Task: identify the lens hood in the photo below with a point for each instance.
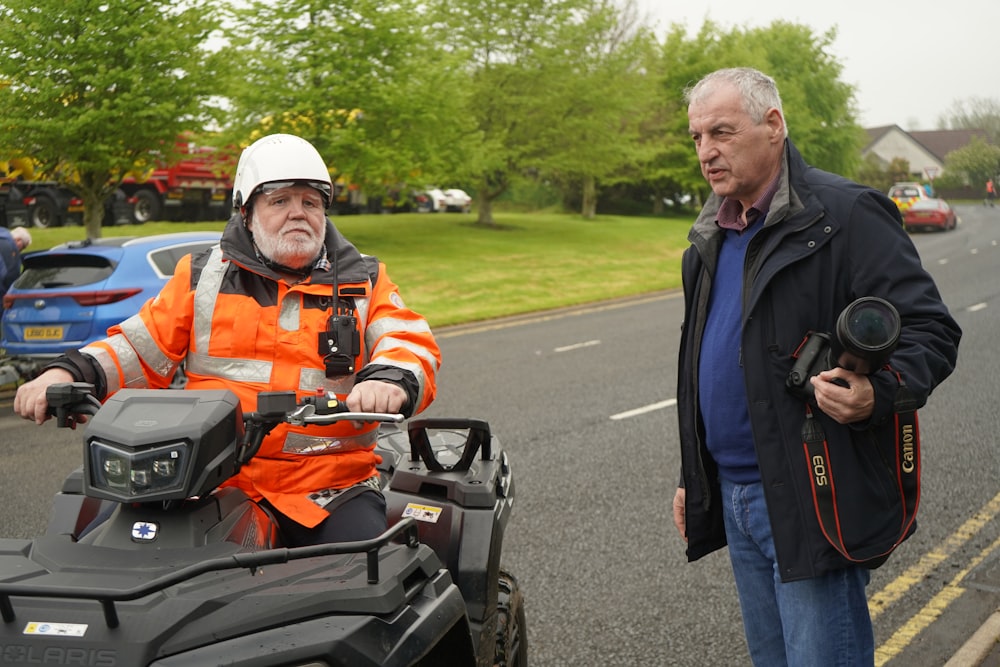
(868, 328)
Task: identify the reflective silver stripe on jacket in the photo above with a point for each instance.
(131, 347)
(389, 325)
(205, 296)
(311, 379)
(145, 347)
(311, 445)
(107, 364)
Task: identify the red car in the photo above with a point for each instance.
(929, 214)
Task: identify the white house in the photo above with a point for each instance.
(925, 151)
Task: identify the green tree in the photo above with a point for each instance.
(367, 81)
(876, 174)
(899, 170)
(97, 87)
(977, 161)
(975, 113)
(528, 62)
(598, 102)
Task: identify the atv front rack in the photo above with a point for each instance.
(251, 561)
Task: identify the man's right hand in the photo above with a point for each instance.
(30, 401)
(680, 519)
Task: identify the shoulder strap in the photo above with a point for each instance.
(906, 469)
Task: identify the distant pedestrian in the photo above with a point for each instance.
(12, 242)
(991, 194)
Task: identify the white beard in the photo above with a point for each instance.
(292, 250)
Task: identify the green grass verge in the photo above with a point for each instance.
(453, 271)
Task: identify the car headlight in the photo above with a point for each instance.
(137, 475)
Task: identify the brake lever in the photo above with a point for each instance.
(384, 417)
(301, 414)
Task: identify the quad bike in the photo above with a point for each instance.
(146, 562)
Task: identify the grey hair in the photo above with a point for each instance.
(21, 234)
(757, 90)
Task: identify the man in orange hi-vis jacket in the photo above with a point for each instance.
(248, 316)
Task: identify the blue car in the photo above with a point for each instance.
(70, 295)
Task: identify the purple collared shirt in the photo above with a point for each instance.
(729, 211)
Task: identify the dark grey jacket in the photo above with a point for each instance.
(826, 241)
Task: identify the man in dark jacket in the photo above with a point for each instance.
(12, 243)
(779, 250)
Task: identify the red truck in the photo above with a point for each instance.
(196, 187)
(199, 186)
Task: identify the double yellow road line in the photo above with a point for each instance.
(919, 571)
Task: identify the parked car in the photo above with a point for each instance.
(457, 201)
(431, 200)
(905, 194)
(929, 214)
(68, 296)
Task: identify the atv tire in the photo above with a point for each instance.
(512, 637)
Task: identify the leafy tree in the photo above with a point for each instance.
(598, 101)
(976, 113)
(98, 86)
(899, 170)
(977, 161)
(367, 81)
(876, 174)
(529, 65)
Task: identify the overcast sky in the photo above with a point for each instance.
(909, 61)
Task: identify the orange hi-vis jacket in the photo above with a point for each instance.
(237, 325)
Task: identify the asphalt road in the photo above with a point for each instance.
(582, 401)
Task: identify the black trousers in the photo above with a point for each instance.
(359, 518)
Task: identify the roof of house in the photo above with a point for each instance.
(936, 142)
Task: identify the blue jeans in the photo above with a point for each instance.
(818, 622)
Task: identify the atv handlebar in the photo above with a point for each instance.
(276, 407)
(273, 408)
(306, 414)
(71, 398)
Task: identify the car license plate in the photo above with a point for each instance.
(43, 333)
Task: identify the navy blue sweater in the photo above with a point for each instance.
(722, 390)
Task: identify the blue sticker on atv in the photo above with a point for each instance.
(143, 531)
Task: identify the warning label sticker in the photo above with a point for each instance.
(422, 512)
(56, 629)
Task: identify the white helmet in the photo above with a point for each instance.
(279, 158)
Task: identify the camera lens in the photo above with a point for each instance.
(869, 329)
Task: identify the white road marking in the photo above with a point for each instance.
(577, 346)
(643, 410)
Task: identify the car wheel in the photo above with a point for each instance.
(512, 637)
(147, 206)
(43, 213)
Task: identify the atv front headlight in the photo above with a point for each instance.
(157, 445)
(132, 476)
